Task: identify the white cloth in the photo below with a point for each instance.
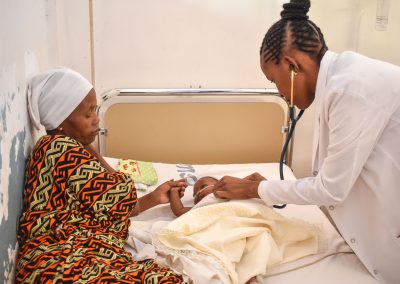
(356, 159)
(245, 237)
(53, 96)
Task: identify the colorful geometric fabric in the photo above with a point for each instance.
(75, 220)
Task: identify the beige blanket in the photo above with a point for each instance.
(243, 237)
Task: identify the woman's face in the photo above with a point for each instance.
(203, 187)
(304, 81)
(83, 124)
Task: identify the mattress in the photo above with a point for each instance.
(336, 264)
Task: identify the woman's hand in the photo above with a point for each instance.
(162, 192)
(236, 188)
(160, 195)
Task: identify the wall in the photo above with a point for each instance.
(24, 34)
(213, 44)
(383, 45)
(73, 35)
(180, 43)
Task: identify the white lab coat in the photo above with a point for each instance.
(356, 159)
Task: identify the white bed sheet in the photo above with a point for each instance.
(336, 265)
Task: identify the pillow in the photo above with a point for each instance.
(141, 172)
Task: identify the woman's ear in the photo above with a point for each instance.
(291, 63)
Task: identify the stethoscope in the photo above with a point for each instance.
(291, 127)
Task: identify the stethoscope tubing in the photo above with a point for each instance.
(292, 126)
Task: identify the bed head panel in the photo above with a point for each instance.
(193, 126)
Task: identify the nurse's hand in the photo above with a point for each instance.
(255, 177)
(236, 188)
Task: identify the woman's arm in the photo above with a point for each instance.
(175, 202)
(143, 203)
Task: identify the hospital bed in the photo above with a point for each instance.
(194, 133)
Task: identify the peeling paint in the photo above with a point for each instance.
(14, 145)
(9, 271)
(8, 87)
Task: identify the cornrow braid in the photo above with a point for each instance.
(304, 34)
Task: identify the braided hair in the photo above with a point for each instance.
(294, 26)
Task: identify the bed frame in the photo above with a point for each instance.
(197, 126)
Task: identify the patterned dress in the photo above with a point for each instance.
(75, 220)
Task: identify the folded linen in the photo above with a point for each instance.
(141, 172)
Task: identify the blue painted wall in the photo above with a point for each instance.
(14, 145)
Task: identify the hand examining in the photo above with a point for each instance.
(255, 177)
(236, 188)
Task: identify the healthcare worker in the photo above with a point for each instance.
(356, 147)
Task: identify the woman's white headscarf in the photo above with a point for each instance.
(53, 96)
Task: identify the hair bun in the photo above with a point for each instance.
(296, 10)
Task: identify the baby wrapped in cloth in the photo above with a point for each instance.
(227, 242)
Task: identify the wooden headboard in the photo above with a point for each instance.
(198, 126)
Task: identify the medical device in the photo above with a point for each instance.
(291, 127)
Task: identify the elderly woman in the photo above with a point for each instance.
(76, 208)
